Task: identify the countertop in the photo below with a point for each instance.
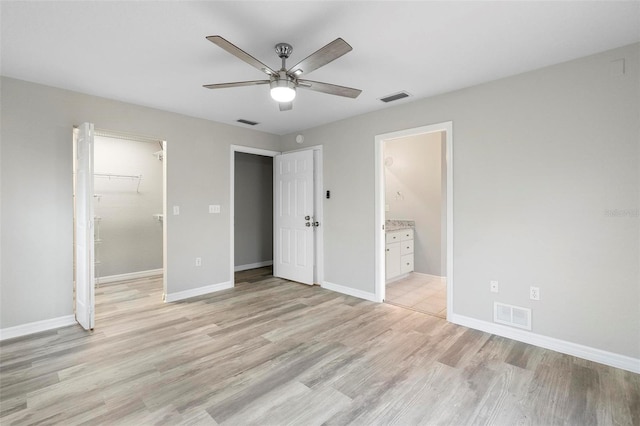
(398, 225)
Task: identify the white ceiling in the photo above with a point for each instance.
(154, 53)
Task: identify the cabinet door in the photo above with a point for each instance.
(393, 260)
(406, 264)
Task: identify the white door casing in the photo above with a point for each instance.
(84, 240)
(294, 222)
(447, 128)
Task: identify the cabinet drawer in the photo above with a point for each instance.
(406, 263)
(393, 237)
(407, 234)
(406, 247)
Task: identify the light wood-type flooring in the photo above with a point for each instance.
(273, 352)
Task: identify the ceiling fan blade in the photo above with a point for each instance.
(323, 56)
(241, 54)
(235, 84)
(285, 106)
(331, 89)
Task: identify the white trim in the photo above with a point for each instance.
(585, 352)
(232, 203)
(252, 265)
(129, 276)
(181, 295)
(349, 291)
(397, 278)
(429, 276)
(380, 278)
(165, 220)
(36, 327)
(255, 151)
(314, 147)
(318, 181)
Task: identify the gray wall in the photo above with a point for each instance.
(416, 173)
(545, 177)
(131, 236)
(253, 241)
(36, 179)
(539, 160)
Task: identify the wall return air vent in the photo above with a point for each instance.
(395, 97)
(514, 316)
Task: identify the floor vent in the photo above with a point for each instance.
(250, 123)
(514, 316)
(395, 97)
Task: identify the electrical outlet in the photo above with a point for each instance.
(493, 285)
(534, 293)
(176, 210)
(198, 261)
(214, 208)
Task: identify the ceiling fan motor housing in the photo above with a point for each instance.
(283, 50)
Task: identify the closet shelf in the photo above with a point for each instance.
(116, 176)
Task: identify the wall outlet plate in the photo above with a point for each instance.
(493, 286)
(534, 293)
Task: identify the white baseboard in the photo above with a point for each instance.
(586, 352)
(36, 327)
(252, 265)
(397, 278)
(129, 276)
(349, 291)
(433, 277)
(181, 295)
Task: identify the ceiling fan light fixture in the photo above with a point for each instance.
(283, 90)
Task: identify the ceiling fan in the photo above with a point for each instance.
(285, 82)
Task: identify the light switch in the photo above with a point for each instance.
(176, 210)
(214, 208)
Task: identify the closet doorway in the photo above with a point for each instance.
(121, 200)
(252, 213)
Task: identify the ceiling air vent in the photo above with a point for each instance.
(250, 123)
(395, 97)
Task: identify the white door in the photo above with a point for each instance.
(294, 222)
(85, 273)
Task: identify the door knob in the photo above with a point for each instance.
(307, 224)
(307, 218)
(315, 224)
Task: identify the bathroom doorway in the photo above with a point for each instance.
(413, 188)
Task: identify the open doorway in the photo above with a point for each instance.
(414, 225)
(124, 202)
(253, 217)
(297, 217)
(251, 213)
(415, 219)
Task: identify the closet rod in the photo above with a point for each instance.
(109, 175)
